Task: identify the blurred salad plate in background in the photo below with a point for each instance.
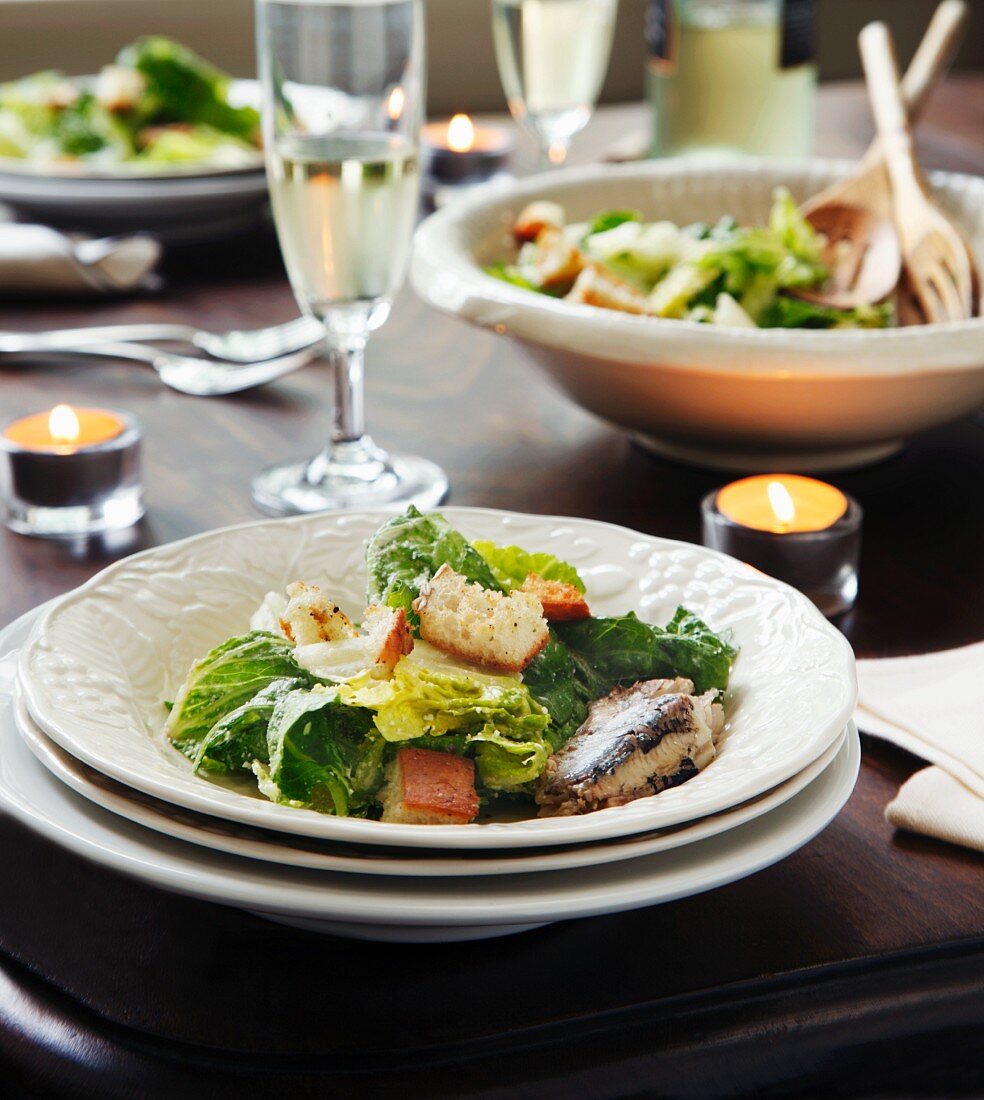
(157, 109)
(159, 141)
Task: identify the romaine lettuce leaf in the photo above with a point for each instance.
(223, 680)
(313, 742)
(183, 144)
(793, 230)
(505, 764)
(85, 128)
(183, 87)
(786, 312)
(511, 565)
(609, 219)
(553, 681)
(679, 287)
(240, 737)
(509, 274)
(409, 549)
(585, 660)
(609, 652)
(434, 704)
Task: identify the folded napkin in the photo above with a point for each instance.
(35, 259)
(933, 706)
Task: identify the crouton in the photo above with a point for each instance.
(474, 624)
(536, 217)
(561, 602)
(311, 616)
(597, 287)
(119, 88)
(387, 633)
(59, 95)
(557, 261)
(424, 787)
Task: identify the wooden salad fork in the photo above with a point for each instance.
(855, 214)
(937, 263)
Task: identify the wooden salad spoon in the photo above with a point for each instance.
(855, 215)
(939, 268)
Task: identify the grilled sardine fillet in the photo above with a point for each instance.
(635, 742)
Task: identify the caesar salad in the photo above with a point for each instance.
(477, 677)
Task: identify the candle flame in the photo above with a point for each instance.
(461, 134)
(781, 502)
(396, 102)
(63, 424)
(557, 153)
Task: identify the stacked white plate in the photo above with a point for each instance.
(83, 759)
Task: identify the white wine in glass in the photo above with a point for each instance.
(345, 209)
(342, 85)
(552, 57)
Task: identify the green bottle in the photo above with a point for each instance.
(731, 77)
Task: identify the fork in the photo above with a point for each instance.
(940, 271)
(236, 346)
(191, 374)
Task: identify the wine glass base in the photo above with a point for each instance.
(322, 486)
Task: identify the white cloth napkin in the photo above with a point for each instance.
(933, 706)
(35, 259)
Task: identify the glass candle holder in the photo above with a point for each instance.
(798, 530)
(70, 472)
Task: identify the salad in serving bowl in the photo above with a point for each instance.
(477, 676)
(720, 274)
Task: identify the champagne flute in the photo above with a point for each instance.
(552, 57)
(342, 88)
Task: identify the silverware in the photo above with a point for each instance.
(193, 375)
(855, 214)
(941, 273)
(237, 346)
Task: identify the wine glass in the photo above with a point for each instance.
(552, 57)
(342, 88)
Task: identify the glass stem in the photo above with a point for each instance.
(348, 369)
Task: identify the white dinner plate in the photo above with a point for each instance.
(413, 910)
(100, 663)
(243, 840)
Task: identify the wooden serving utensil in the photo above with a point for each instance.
(855, 214)
(938, 266)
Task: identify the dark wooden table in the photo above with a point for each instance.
(853, 968)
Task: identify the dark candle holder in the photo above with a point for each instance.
(72, 491)
(823, 565)
(486, 157)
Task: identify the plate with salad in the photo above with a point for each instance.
(157, 109)
(461, 679)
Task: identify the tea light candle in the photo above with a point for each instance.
(796, 529)
(459, 152)
(70, 472)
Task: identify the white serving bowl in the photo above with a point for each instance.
(732, 398)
